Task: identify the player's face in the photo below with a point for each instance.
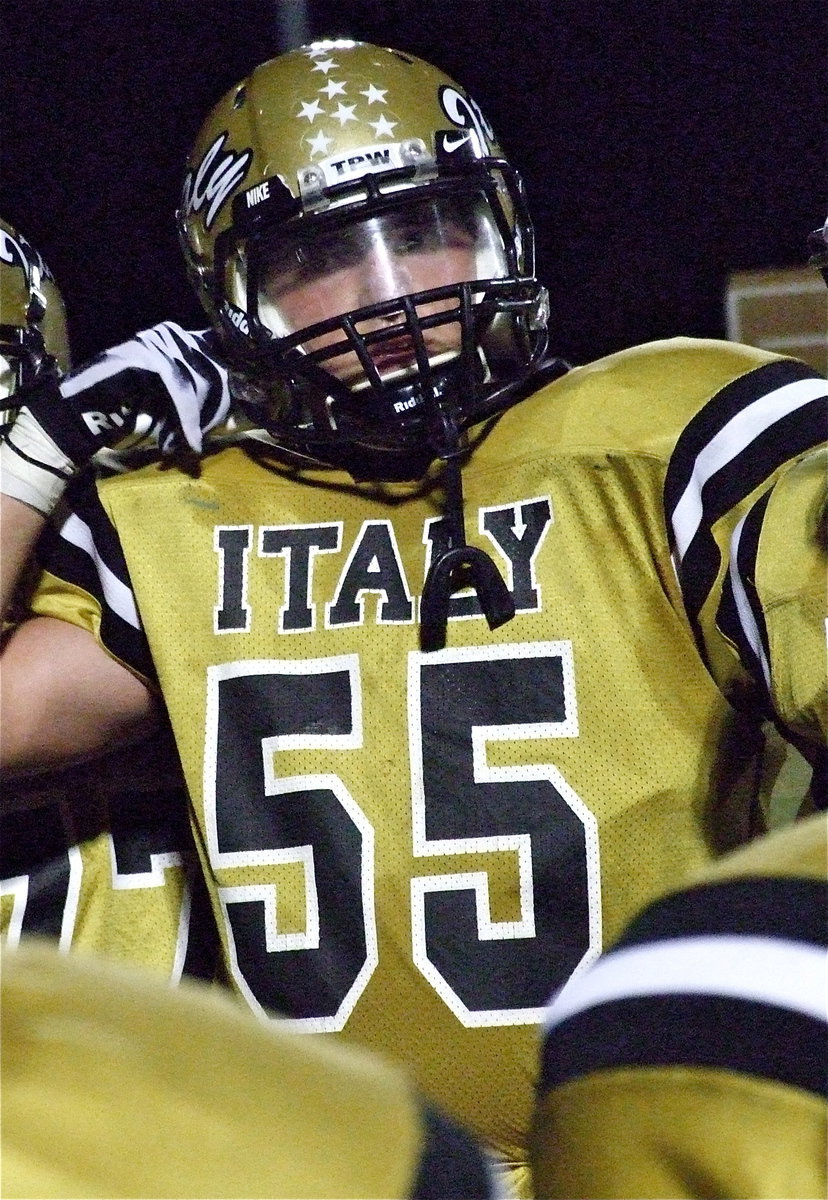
(364, 262)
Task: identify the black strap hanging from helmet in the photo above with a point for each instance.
(460, 565)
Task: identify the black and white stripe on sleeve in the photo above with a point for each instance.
(730, 976)
(742, 436)
(81, 548)
(740, 614)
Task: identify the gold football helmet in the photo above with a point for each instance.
(363, 247)
(33, 338)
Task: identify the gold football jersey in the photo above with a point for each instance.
(101, 859)
(412, 849)
(691, 1060)
(114, 1085)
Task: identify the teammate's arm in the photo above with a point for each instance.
(64, 699)
(745, 501)
(708, 1015)
(20, 527)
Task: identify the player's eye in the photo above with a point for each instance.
(294, 263)
(335, 254)
(413, 240)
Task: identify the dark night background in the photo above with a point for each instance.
(663, 144)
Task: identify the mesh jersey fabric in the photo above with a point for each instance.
(101, 858)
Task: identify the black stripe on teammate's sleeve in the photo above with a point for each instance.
(452, 1166)
(787, 437)
(67, 561)
(728, 403)
(718, 1032)
(728, 487)
(728, 617)
(706, 1030)
(793, 909)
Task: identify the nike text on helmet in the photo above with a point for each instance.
(33, 338)
(358, 239)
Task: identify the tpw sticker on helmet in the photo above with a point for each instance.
(338, 168)
(217, 176)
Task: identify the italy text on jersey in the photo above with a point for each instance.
(372, 564)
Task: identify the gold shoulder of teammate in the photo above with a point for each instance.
(113, 1085)
(799, 502)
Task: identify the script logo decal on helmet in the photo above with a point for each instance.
(465, 112)
(216, 178)
(33, 340)
(15, 250)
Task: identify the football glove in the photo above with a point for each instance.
(165, 383)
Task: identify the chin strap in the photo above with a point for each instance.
(460, 564)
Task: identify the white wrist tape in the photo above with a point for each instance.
(33, 468)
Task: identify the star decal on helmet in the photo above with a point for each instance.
(320, 144)
(344, 113)
(383, 127)
(323, 58)
(311, 109)
(334, 87)
(375, 95)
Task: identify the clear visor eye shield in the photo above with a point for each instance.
(372, 293)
